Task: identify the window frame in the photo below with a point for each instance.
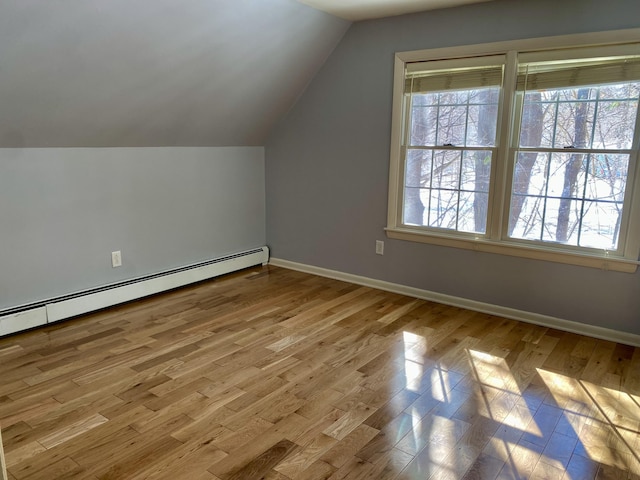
(495, 240)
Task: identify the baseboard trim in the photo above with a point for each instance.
(114, 295)
(512, 313)
(22, 321)
(24, 317)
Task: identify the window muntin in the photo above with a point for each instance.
(573, 153)
(608, 113)
(447, 188)
(570, 198)
(602, 211)
(452, 124)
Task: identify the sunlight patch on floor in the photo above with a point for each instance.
(605, 420)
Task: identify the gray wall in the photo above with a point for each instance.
(327, 168)
(63, 211)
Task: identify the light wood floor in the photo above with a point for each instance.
(269, 373)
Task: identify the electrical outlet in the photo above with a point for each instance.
(116, 259)
(379, 247)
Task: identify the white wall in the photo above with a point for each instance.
(64, 210)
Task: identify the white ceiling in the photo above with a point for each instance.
(155, 72)
(356, 10)
(165, 73)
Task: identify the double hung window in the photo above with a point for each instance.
(524, 152)
(452, 116)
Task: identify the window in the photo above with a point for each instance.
(452, 143)
(519, 150)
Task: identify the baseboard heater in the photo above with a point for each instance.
(66, 306)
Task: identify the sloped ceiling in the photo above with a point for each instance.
(155, 72)
(356, 10)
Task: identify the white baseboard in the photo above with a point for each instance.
(512, 313)
(60, 308)
(23, 320)
(121, 294)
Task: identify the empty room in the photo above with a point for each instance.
(319, 239)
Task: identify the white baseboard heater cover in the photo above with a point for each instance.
(23, 320)
(72, 305)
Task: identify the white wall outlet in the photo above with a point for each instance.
(379, 247)
(116, 259)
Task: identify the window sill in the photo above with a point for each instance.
(515, 250)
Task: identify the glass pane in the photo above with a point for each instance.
(418, 168)
(607, 177)
(433, 183)
(600, 225)
(547, 201)
(452, 120)
(446, 169)
(424, 121)
(424, 99)
(527, 223)
(561, 221)
(589, 117)
(414, 206)
(530, 173)
(621, 91)
(538, 120)
(443, 209)
(472, 215)
(483, 117)
(476, 171)
(574, 123)
(484, 96)
(567, 172)
(454, 97)
(615, 123)
(457, 118)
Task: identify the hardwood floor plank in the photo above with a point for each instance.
(243, 454)
(275, 374)
(340, 453)
(349, 421)
(71, 431)
(296, 464)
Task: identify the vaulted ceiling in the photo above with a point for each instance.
(367, 9)
(155, 72)
(164, 72)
